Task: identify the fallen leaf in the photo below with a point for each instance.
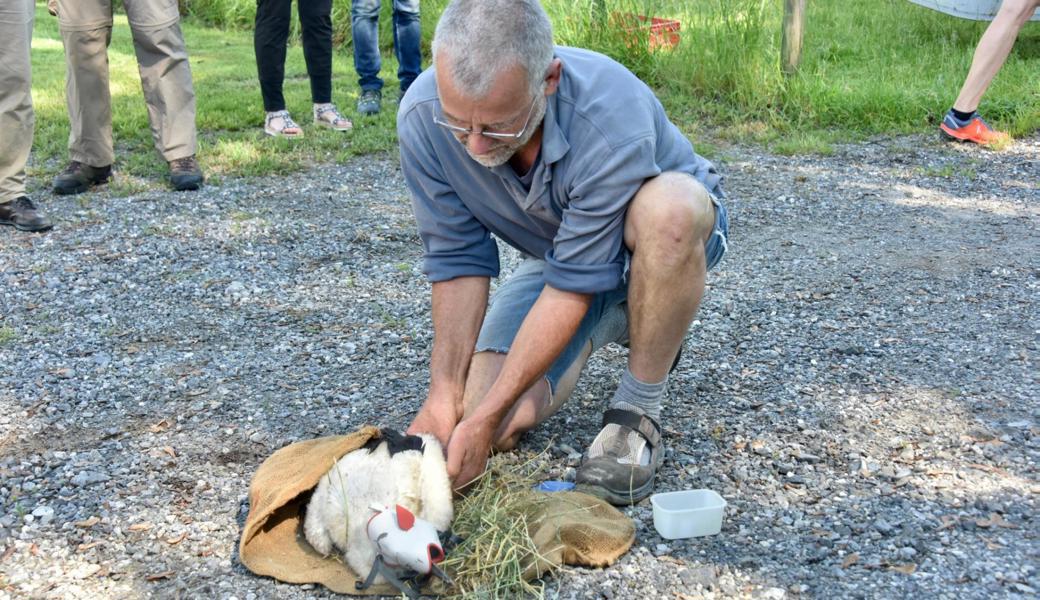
(169, 450)
(949, 521)
(8, 551)
(85, 547)
(92, 521)
(159, 427)
(994, 520)
(145, 526)
(906, 569)
(158, 576)
(34, 549)
(990, 544)
(205, 553)
(177, 540)
(850, 560)
(740, 445)
(989, 469)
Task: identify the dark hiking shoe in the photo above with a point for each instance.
(185, 174)
(623, 459)
(79, 177)
(22, 214)
(371, 102)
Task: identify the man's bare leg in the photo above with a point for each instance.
(668, 224)
(536, 404)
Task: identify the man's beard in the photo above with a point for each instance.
(500, 155)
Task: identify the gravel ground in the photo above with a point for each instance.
(861, 384)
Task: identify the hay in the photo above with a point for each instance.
(497, 553)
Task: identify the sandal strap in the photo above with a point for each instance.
(642, 424)
(319, 113)
(286, 119)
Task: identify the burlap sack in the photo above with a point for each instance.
(568, 527)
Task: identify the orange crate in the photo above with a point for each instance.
(664, 33)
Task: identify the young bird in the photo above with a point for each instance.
(390, 470)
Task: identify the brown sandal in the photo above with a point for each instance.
(617, 474)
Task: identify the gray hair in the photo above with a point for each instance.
(482, 38)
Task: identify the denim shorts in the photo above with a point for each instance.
(514, 299)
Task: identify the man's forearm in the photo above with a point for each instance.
(458, 311)
(548, 327)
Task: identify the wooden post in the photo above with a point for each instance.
(794, 25)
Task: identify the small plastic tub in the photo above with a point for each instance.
(687, 514)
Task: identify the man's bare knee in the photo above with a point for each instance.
(671, 211)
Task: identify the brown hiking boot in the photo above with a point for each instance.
(79, 177)
(185, 174)
(22, 214)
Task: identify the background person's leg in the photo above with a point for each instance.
(316, 30)
(993, 50)
(16, 111)
(407, 40)
(162, 61)
(270, 34)
(86, 30)
(364, 23)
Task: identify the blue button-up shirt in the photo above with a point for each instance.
(604, 134)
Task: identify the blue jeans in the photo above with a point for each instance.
(407, 36)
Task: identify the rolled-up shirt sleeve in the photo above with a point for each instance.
(588, 253)
(455, 244)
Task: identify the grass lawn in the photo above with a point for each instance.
(877, 67)
(230, 110)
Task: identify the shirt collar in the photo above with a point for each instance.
(554, 145)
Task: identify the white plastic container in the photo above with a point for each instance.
(687, 514)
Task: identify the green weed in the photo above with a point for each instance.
(882, 67)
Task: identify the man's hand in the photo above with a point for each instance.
(468, 451)
(436, 418)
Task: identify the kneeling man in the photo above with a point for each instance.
(565, 155)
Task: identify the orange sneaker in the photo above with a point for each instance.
(976, 131)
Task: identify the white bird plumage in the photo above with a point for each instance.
(341, 505)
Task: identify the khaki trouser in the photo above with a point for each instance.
(16, 111)
(86, 30)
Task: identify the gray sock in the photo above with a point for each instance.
(646, 397)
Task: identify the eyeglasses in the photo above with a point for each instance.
(455, 129)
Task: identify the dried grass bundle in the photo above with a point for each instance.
(497, 551)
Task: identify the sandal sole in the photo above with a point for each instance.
(618, 498)
(283, 134)
(328, 125)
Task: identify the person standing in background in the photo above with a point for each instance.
(269, 40)
(86, 31)
(16, 116)
(407, 37)
(962, 122)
